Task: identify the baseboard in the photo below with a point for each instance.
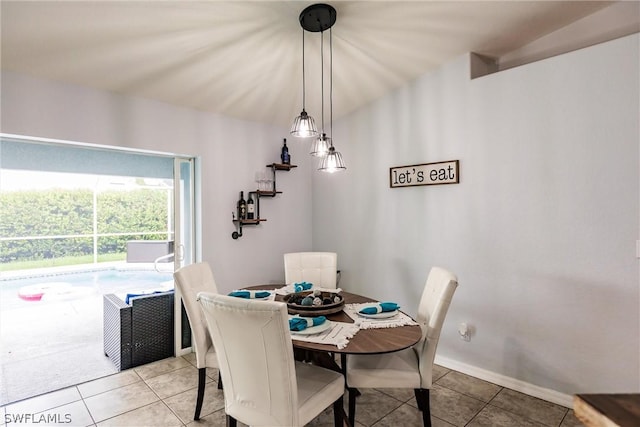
(183, 351)
(549, 395)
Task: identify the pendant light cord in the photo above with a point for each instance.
(331, 82)
(322, 76)
(304, 85)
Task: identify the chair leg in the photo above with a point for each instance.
(202, 377)
(338, 412)
(422, 399)
(353, 392)
(231, 422)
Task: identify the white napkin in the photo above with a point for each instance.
(399, 319)
(339, 335)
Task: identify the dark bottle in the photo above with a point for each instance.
(284, 154)
(242, 207)
(251, 208)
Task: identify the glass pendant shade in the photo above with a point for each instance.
(304, 126)
(332, 162)
(320, 147)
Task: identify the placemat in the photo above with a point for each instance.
(399, 319)
(339, 335)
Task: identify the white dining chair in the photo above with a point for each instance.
(190, 280)
(319, 268)
(263, 384)
(412, 367)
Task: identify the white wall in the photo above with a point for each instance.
(541, 230)
(231, 151)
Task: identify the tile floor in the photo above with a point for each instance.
(163, 394)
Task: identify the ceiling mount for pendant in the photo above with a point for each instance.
(318, 17)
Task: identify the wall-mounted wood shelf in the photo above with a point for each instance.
(259, 194)
(251, 221)
(281, 167)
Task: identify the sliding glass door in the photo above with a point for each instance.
(96, 207)
(185, 242)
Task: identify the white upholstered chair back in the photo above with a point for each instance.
(255, 354)
(190, 280)
(319, 268)
(434, 304)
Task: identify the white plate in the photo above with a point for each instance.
(384, 315)
(314, 329)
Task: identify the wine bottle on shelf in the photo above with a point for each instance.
(242, 207)
(284, 154)
(251, 209)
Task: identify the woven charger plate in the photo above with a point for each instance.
(313, 310)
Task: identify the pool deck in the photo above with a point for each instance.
(51, 346)
(46, 346)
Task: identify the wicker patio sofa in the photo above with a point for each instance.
(139, 332)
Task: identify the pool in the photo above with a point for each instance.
(38, 289)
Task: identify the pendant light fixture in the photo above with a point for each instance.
(318, 18)
(303, 126)
(333, 161)
(320, 146)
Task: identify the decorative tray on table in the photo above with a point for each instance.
(314, 303)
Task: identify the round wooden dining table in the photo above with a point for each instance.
(366, 341)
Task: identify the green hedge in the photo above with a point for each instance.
(69, 212)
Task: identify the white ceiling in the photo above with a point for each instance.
(243, 59)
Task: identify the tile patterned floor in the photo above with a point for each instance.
(164, 393)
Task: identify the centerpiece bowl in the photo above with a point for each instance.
(325, 303)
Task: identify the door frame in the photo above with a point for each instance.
(195, 212)
(187, 241)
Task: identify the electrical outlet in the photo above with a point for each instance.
(464, 332)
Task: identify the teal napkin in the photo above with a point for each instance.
(381, 307)
(302, 286)
(250, 294)
(302, 323)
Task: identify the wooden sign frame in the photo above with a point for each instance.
(447, 172)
